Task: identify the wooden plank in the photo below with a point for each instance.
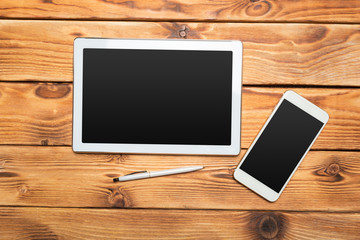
(55, 223)
(57, 177)
(342, 105)
(294, 54)
(38, 114)
(41, 114)
(202, 10)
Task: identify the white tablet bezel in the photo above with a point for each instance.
(234, 46)
(254, 184)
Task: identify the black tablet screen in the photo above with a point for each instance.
(157, 96)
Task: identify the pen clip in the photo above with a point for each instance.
(136, 173)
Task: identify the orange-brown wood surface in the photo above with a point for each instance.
(41, 113)
(55, 223)
(201, 10)
(291, 54)
(49, 192)
(57, 177)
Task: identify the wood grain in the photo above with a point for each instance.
(38, 114)
(332, 11)
(294, 54)
(41, 114)
(342, 105)
(55, 223)
(57, 177)
(49, 192)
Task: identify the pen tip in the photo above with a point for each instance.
(116, 179)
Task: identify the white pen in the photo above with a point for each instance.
(146, 174)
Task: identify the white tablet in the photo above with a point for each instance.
(281, 145)
(157, 96)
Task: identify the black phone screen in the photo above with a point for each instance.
(281, 145)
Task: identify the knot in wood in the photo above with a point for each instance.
(183, 31)
(333, 169)
(268, 227)
(45, 142)
(118, 198)
(117, 159)
(53, 90)
(258, 8)
(22, 189)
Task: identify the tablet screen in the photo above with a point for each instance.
(157, 96)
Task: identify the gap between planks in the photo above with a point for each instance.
(296, 86)
(173, 20)
(242, 149)
(180, 209)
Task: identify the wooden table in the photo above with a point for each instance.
(49, 192)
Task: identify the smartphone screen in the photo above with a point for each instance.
(281, 145)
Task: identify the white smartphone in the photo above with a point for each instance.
(281, 145)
